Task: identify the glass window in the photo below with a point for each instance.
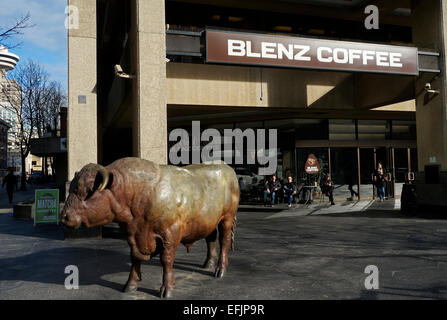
(404, 130)
(301, 157)
(342, 130)
(311, 129)
(373, 129)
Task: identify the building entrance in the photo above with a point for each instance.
(352, 168)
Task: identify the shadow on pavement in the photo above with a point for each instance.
(48, 266)
(11, 226)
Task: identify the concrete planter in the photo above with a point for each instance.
(23, 211)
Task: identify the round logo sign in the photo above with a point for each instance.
(312, 165)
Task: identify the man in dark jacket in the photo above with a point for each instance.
(271, 188)
(11, 183)
(289, 190)
(327, 187)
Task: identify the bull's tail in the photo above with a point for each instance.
(233, 231)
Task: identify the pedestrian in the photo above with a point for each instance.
(380, 180)
(271, 188)
(11, 183)
(290, 190)
(327, 187)
(349, 176)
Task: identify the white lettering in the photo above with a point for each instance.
(320, 57)
(395, 60)
(368, 55)
(382, 59)
(287, 52)
(354, 54)
(345, 55)
(267, 49)
(280, 51)
(250, 53)
(303, 50)
(236, 48)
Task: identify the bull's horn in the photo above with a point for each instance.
(105, 178)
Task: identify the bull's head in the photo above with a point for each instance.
(89, 199)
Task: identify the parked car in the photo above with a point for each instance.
(35, 177)
(249, 178)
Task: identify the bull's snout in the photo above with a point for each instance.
(70, 220)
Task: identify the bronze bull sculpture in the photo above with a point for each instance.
(160, 206)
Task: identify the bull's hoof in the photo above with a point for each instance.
(165, 292)
(209, 264)
(220, 272)
(130, 288)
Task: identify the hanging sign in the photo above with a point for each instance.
(311, 53)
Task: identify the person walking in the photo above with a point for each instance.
(11, 183)
(380, 181)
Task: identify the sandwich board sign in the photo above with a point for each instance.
(46, 206)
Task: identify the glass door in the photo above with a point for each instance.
(367, 167)
(401, 169)
(384, 156)
(344, 172)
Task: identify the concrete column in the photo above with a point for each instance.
(429, 34)
(150, 119)
(82, 106)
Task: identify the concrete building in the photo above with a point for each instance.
(4, 127)
(310, 69)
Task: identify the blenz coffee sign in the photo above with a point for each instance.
(293, 52)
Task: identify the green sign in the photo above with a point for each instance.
(46, 206)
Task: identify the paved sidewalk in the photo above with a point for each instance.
(19, 196)
(319, 252)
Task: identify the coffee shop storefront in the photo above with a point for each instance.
(350, 98)
(348, 141)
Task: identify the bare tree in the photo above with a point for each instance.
(9, 32)
(55, 100)
(28, 95)
(48, 116)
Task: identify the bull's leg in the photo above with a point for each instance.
(134, 275)
(225, 243)
(211, 256)
(167, 261)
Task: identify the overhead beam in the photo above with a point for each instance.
(310, 10)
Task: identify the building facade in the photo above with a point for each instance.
(312, 70)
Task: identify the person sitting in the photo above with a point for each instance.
(271, 188)
(327, 187)
(290, 190)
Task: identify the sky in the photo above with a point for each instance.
(46, 42)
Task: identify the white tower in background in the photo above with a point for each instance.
(8, 61)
